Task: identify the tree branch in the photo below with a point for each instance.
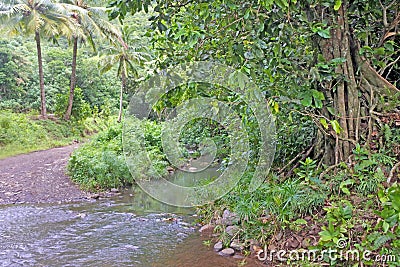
(388, 28)
(305, 155)
(390, 64)
(391, 174)
(373, 77)
(321, 176)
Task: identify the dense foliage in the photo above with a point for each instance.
(328, 70)
(19, 87)
(101, 163)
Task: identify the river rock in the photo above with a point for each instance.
(81, 215)
(232, 230)
(229, 218)
(184, 224)
(218, 246)
(95, 196)
(238, 257)
(114, 190)
(181, 235)
(226, 252)
(131, 247)
(206, 228)
(237, 245)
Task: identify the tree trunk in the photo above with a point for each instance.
(123, 84)
(68, 112)
(343, 92)
(351, 94)
(43, 111)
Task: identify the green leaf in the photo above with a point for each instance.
(345, 190)
(318, 95)
(300, 221)
(276, 107)
(336, 126)
(241, 80)
(282, 3)
(325, 235)
(339, 60)
(389, 46)
(380, 51)
(324, 33)
(307, 100)
(382, 196)
(318, 103)
(324, 123)
(394, 195)
(331, 110)
(247, 14)
(338, 4)
(347, 212)
(385, 227)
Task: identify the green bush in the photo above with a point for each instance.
(100, 163)
(80, 108)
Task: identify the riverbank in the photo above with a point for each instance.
(38, 177)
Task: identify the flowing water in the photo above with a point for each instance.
(129, 230)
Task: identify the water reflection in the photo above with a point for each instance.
(130, 230)
(125, 231)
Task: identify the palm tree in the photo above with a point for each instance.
(128, 60)
(37, 17)
(93, 22)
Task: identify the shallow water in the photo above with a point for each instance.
(129, 230)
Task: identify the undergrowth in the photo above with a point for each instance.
(22, 133)
(100, 164)
(316, 209)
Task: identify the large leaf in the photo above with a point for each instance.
(338, 4)
(336, 126)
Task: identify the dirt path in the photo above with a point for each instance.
(38, 177)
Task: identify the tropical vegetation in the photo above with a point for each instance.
(327, 70)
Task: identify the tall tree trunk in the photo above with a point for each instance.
(68, 112)
(343, 92)
(352, 94)
(123, 84)
(43, 110)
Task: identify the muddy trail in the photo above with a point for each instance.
(38, 177)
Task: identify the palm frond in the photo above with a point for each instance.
(28, 17)
(92, 21)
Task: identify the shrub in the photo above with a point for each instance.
(100, 163)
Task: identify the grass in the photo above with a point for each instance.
(23, 133)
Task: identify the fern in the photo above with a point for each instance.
(381, 240)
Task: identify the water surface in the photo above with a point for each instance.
(130, 230)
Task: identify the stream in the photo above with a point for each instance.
(131, 229)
